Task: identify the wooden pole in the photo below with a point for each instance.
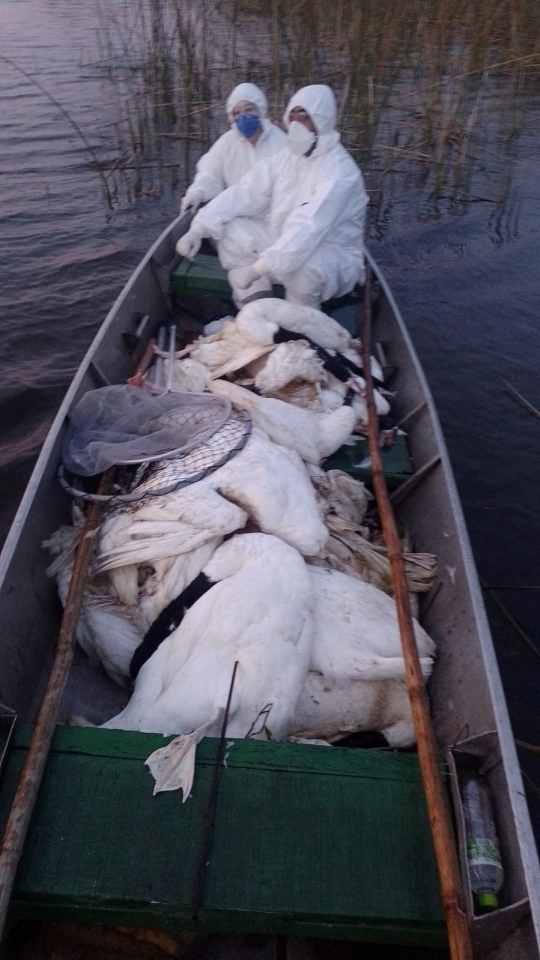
(31, 776)
(137, 379)
(27, 790)
(439, 817)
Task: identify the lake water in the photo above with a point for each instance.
(468, 286)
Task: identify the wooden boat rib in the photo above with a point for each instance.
(468, 710)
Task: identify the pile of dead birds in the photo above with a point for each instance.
(266, 561)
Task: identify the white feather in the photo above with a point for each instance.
(250, 616)
(313, 436)
(188, 376)
(170, 578)
(114, 637)
(167, 526)
(376, 369)
(259, 320)
(228, 350)
(294, 360)
(339, 494)
(356, 631)
(107, 632)
(356, 679)
(330, 711)
(272, 484)
(333, 394)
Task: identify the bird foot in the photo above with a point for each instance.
(76, 721)
(173, 766)
(355, 386)
(309, 741)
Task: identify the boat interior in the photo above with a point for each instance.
(307, 842)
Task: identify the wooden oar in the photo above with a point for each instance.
(439, 817)
(31, 776)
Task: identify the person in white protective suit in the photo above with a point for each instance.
(297, 218)
(252, 137)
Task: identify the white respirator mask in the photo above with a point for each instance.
(299, 138)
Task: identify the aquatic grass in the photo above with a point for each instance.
(520, 399)
(528, 643)
(423, 90)
(533, 787)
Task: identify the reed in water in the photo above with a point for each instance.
(427, 93)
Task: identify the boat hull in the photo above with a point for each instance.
(465, 691)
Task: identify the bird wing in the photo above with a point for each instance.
(272, 484)
(356, 630)
(268, 312)
(194, 516)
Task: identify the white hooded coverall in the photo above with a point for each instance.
(233, 155)
(304, 215)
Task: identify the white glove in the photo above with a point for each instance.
(189, 245)
(191, 200)
(242, 277)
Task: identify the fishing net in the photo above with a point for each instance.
(164, 476)
(120, 425)
(157, 475)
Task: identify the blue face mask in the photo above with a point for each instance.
(248, 124)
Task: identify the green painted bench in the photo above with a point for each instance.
(310, 841)
(205, 277)
(354, 459)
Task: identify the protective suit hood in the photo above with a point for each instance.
(251, 93)
(319, 101)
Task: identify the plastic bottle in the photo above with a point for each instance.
(483, 855)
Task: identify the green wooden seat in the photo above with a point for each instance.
(205, 277)
(354, 459)
(307, 840)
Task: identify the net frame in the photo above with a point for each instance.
(121, 425)
(67, 480)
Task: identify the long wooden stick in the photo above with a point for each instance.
(443, 839)
(27, 790)
(30, 780)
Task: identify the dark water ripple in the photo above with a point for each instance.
(468, 287)
(64, 256)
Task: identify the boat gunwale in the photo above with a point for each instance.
(509, 756)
